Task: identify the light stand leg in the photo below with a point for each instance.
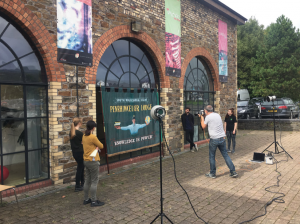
(276, 143)
(161, 214)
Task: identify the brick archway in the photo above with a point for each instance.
(202, 52)
(39, 35)
(124, 32)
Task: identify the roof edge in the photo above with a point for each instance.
(223, 9)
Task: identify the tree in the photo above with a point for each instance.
(276, 69)
(250, 39)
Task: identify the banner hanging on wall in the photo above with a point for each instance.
(128, 125)
(74, 32)
(173, 37)
(223, 69)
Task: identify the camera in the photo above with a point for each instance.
(201, 112)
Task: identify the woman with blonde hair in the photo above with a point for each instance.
(91, 146)
(77, 151)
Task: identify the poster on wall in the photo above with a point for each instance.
(74, 32)
(173, 37)
(223, 69)
(128, 125)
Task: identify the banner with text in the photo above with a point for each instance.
(74, 32)
(173, 37)
(128, 125)
(223, 69)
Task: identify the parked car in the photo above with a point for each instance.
(283, 107)
(247, 109)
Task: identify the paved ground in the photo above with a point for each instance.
(132, 196)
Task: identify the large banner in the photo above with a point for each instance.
(74, 32)
(223, 69)
(128, 125)
(173, 37)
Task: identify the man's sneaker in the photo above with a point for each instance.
(192, 150)
(85, 202)
(232, 151)
(78, 188)
(210, 175)
(97, 203)
(196, 147)
(228, 151)
(233, 174)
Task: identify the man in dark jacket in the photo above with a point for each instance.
(187, 120)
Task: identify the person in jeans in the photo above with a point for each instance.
(217, 140)
(187, 120)
(90, 144)
(230, 125)
(77, 151)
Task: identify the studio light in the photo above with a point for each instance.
(157, 112)
(271, 98)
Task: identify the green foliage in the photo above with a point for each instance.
(273, 59)
(250, 39)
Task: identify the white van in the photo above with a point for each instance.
(243, 94)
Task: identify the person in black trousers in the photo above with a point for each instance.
(230, 126)
(187, 120)
(77, 150)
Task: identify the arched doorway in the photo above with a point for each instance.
(24, 149)
(198, 92)
(124, 64)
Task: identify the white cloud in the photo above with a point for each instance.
(266, 11)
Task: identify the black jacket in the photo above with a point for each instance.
(183, 118)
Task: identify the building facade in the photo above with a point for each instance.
(39, 95)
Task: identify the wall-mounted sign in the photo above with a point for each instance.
(173, 37)
(74, 32)
(128, 125)
(223, 69)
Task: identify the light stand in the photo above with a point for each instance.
(161, 214)
(275, 142)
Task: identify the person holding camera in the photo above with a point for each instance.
(230, 125)
(187, 120)
(217, 140)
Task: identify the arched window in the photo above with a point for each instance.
(24, 153)
(124, 64)
(198, 91)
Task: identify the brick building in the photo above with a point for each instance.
(36, 115)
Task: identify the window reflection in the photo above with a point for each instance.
(37, 133)
(36, 101)
(13, 136)
(12, 102)
(16, 41)
(10, 72)
(130, 68)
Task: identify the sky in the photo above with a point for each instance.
(266, 11)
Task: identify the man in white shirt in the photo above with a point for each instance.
(217, 140)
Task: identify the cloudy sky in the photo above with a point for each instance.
(266, 11)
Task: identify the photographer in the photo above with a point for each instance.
(217, 140)
(187, 120)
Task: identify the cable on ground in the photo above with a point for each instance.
(177, 179)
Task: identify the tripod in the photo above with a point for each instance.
(161, 214)
(275, 141)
